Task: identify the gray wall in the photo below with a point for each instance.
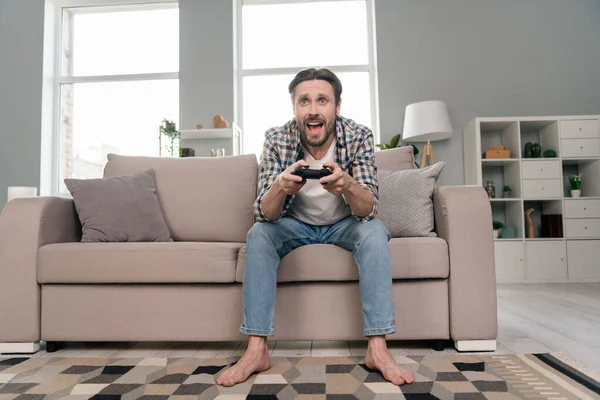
(205, 62)
(21, 50)
(482, 57)
(486, 58)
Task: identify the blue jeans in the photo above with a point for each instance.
(267, 242)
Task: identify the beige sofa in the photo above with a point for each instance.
(55, 289)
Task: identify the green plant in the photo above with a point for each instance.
(169, 130)
(550, 153)
(507, 188)
(575, 181)
(497, 225)
(393, 143)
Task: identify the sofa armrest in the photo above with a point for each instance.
(26, 224)
(463, 218)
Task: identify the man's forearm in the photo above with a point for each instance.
(273, 201)
(359, 199)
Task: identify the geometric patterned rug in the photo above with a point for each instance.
(456, 377)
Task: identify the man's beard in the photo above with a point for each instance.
(312, 141)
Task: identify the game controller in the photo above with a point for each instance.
(306, 173)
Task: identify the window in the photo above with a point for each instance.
(278, 38)
(118, 80)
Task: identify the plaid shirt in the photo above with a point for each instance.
(354, 154)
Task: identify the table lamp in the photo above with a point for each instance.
(426, 121)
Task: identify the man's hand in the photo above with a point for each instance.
(288, 182)
(338, 182)
(285, 184)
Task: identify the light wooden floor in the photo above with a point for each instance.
(555, 318)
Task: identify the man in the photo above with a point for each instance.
(338, 209)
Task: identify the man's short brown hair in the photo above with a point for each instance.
(320, 74)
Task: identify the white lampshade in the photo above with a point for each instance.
(21, 191)
(426, 121)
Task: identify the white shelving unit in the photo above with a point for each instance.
(205, 140)
(541, 184)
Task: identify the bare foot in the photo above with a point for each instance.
(379, 358)
(255, 359)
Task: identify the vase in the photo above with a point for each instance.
(507, 194)
(536, 150)
(496, 233)
(490, 189)
(575, 193)
(528, 153)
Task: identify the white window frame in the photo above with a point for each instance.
(103, 6)
(370, 67)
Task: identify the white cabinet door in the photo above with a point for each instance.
(583, 258)
(546, 259)
(541, 169)
(583, 228)
(571, 129)
(580, 147)
(510, 261)
(542, 188)
(582, 208)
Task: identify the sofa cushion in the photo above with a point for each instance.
(406, 200)
(412, 258)
(164, 262)
(202, 199)
(119, 209)
(396, 159)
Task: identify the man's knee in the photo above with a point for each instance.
(261, 232)
(374, 231)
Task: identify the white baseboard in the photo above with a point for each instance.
(19, 348)
(475, 345)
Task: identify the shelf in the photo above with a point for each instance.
(497, 162)
(201, 134)
(543, 132)
(540, 159)
(560, 249)
(583, 198)
(542, 200)
(549, 210)
(589, 171)
(579, 161)
(510, 213)
(535, 125)
(499, 133)
(492, 126)
(558, 239)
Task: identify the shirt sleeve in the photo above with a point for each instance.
(364, 170)
(270, 167)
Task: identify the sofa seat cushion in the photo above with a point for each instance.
(164, 262)
(412, 258)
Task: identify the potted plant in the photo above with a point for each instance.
(171, 135)
(575, 181)
(497, 227)
(507, 190)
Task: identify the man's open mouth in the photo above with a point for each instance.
(314, 127)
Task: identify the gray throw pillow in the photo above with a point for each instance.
(119, 209)
(406, 200)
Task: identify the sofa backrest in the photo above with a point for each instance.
(202, 199)
(396, 159)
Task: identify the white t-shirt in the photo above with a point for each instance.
(313, 204)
